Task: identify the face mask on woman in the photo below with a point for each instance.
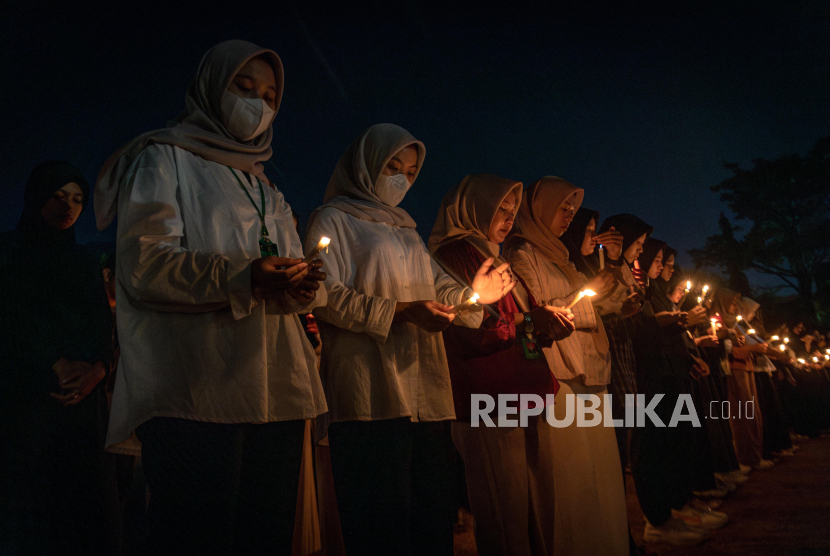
(245, 118)
(391, 189)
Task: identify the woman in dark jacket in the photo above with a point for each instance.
(58, 484)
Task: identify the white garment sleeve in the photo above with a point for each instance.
(154, 268)
(346, 308)
(450, 292)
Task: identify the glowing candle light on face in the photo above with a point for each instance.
(465, 305)
(322, 244)
(601, 257)
(580, 295)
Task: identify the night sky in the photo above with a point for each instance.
(639, 107)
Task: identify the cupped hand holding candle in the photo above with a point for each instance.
(464, 305)
(579, 296)
(322, 244)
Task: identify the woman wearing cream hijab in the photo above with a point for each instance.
(216, 375)
(383, 364)
(509, 470)
(590, 501)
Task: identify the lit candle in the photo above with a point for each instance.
(775, 338)
(801, 361)
(786, 340)
(686, 293)
(322, 244)
(580, 295)
(702, 297)
(601, 257)
(751, 331)
(826, 356)
(815, 359)
(714, 326)
(740, 318)
(465, 305)
(782, 347)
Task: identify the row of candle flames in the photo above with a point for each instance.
(469, 303)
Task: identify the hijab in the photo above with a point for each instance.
(468, 210)
(539, 205)
(45, 179)
(629, 226)
(721, 305)
(651, 248)
(199, 128)
(351, 188)
(575, 236)
(658, 288)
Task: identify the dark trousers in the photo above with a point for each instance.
(395, 486)
(221, 488)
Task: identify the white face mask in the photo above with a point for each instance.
(245, 118)
(391, 189)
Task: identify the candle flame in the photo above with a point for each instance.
(815, 359)
(589, 293)
(827, 357)
(705, 289)
(474, 298)
(740, 318)
(786, 340)
(713, 320)
(775, 338)
(751, 331)
(801, 361)
(324, 242)
(782, 347)
(688, 285)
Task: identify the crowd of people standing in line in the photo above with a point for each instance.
(190, 345)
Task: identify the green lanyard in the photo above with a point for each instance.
(266, 246)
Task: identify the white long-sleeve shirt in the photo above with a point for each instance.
(575, 357)
(195, 343)
(371, 367)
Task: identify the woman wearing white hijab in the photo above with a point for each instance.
(215, 373)
(591, 514)
(383, 364)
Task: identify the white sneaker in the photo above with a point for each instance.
(676, 532)
(714, 493)
(725, 485)
(763, 464)
(733, 477)
(702, 518)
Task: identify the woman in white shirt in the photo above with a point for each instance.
(383, 364)
(590, 501)
(215, 373)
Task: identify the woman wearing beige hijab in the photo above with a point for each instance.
(216, 375)
(383, 364)
(590, 501)
(509, 470)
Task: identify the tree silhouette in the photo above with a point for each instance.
(787, 203)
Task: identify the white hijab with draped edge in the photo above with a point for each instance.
(351, 188)
(199, 128)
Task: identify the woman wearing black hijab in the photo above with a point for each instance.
(661, 463)
(58, 484)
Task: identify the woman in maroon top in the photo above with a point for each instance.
(509, 469)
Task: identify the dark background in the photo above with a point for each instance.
(639, 105)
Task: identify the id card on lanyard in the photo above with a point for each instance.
(267, 248)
